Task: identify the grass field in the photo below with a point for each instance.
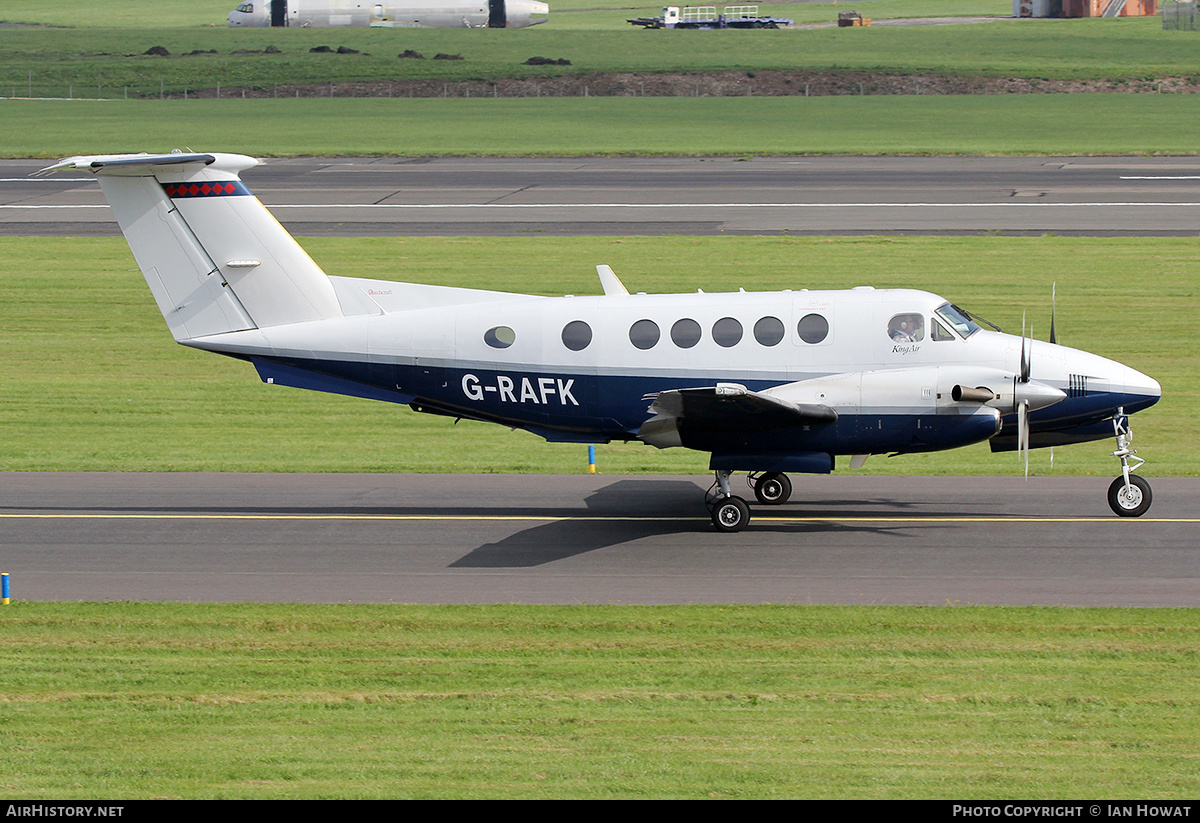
(1058, 125)
(112, 62)
(143, 701)
(168, 14)
(92, 380)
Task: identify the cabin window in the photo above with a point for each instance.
(500, 337)
(577, 335)
(768, 331)
(727, 332)
(685, 333)
(812, 328)
(907, 328)
(644, 334)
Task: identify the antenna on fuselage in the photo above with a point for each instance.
(610, 282)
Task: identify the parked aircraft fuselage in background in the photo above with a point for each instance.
(426, 14)
(765, 382)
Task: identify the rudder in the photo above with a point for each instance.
(215, 259)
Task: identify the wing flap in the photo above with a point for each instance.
(724, 407)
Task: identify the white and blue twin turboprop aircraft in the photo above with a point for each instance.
(767, 383)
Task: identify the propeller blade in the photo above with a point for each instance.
(1053, 289)
(1024, 354)
(1023, 433)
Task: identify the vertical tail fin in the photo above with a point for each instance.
(215, 259)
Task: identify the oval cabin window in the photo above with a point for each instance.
(500, 337)
(812, 328)
(768, 331)
(577, 335)
(685, 333)
(644, 334)
(727, 332)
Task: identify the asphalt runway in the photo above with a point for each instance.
(591, 539)
(351, 197)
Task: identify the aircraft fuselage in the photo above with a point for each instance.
(584, 368)
(423, 14)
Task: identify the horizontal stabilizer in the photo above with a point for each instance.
(128, 161)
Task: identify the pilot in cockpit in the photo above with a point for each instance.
(906, 328)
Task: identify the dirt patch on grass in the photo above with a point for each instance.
(716, 84)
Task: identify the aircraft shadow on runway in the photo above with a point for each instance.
(624, 511)
(631, 510)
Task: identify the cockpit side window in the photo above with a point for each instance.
(907, 328)
(939, 332)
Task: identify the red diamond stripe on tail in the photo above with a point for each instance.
(219, 189)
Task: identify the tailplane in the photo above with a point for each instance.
(215, 259)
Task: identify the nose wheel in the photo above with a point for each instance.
(1128, 495)
(1129, 498)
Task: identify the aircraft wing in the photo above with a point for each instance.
(725, 406)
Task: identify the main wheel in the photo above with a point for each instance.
(731, 514)
(773, 488)
(1130, 500)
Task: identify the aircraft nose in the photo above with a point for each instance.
(1146, 388)
(527, 12)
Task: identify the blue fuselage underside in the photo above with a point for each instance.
(593, 408)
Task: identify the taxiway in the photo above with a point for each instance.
(1153, 196)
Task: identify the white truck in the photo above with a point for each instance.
(706, 17)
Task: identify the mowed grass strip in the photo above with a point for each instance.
(1055, 125)
(92, 380)
(76, 61)
(126, 700)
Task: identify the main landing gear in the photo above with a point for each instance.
(1129, 495)
(730, 512)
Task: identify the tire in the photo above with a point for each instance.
(773, 489)
(1132, 500)
(731, 514)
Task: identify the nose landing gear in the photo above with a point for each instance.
(1128, 495)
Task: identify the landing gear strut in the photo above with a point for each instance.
(730, 512)
(1129, 495)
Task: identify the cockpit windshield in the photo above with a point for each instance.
(960, 320)
(245, 8)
